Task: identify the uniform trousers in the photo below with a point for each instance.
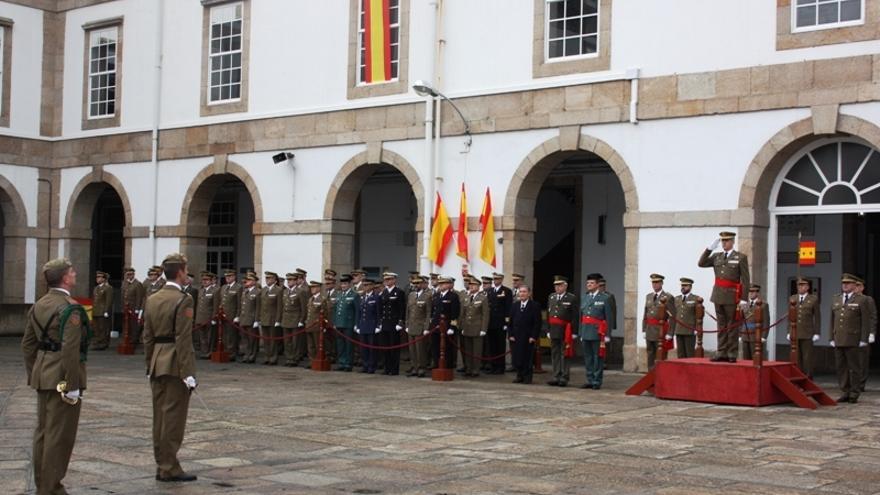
(864, 364)
(207, 337)
(472, 351)
(523, 358)
(651, 349)
(418, 353)
(231, 339)
(728, 335)
(368, 356)
(54, 437)
(101, 329)
(496, 338)
(270, 334)
(593, 364)
(170, 407)
(252, 345)
(849, 376)
(685, 346)
(805, 356)
(558, 361)
(748, 350)
(344, 347)
(390, 336)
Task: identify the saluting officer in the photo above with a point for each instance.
(865, 351)
(102, 306)
(749, 330)
(132, 297)
(206, 314)
(500, 300)
(562, 311)
(731, 280)
(55, 342)
(344, 311)
(595, 322)
(808, 325)
(418, 323)
(392, 316)
(168, 348)
(474, 321)
(652, 322)
(446, 305)
(230, 303)
(248, 317)
(685, 321)
(850, 328)
(270, 317)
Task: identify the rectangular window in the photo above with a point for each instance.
(393, 41)
(572, 28)
(102, 73)
(225, 64)
(810, 15)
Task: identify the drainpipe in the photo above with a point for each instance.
(157, 109)
(633, 76)
(426, 265)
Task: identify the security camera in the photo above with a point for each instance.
(282, 157)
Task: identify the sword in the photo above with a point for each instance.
(199, 396)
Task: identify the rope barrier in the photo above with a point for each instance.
(383, 347)
(729, 327)
(481, 358)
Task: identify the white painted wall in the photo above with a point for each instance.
(70, 177)
(284, 253)
(27, 69)
(24, 180)
(175, 177)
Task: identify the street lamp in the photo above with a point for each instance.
(423, 89)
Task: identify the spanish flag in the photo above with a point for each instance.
(487, 237)
(462, 242)
(441, 233)
(377, 40)
(807, 253)
(86, 304)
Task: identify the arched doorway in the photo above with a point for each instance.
(13, 246)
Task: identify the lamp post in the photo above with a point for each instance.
(423, 89)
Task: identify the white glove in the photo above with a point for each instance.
(213, 322)
(378, 329)
(357, 330)
(547, 334)
(607, 339)
(668, 337)
(277, 324)
(190, 382)
(407, 329)
(482, 334)
(450, 332)
(73, 394)
(763, 340)
(256, 324)
(106, 315)
(832, 344)
(743, 305)
(426, 332)
(235, 320)
(788, 336)
(506, 328)
(863, 344)
(140, 313)
(300, 325)
(871, 338)
(398, 327)
(714, 245)
(740, 339)
(816, 338)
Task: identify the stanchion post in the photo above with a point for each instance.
(125, 346)
(792, 332)
(661, 348)
(758, 355)
(699, 313)
(321, 363)
(441, 373)
(220, 355)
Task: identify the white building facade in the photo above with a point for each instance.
(614, 137)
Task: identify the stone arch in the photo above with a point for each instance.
(519, 224)
(14, 244)
(339, 207)
(197, 203)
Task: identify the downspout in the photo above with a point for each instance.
(427, 265)
(437, 170)
(633, 76)
(157, 106)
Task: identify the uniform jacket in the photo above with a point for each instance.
(808, 315)
(270, 305)
(102, 299)
(850, 323)
(368, 313)
(209, 304)
(447, 306)
(525, 322)
(344, 310)
(169, 313)
(872, 311)
(474, 317)
(685, 311)
(151, 288)
(595, 305)
(747, 331)
(734, 268)
(652, 310)
(230, 299)
(46, 368)
(294, 306)
(500, 300)
(562, 306)
(250, 306)
(319, 307)
(393, 308)
(612, 305)
(132, 294)
(194, 294)
(418, 312)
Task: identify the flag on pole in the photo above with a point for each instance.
(807, 253)
(487, 236)
(462, 241)
(441, 233)
(377, 41)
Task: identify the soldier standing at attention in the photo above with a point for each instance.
(392, 317)
(344, 312)
(102, 306)
(206, 314)
(446, 306)
(750, 327)
(808, 325)
(562, 310)
(293, 316)
(331, 293)
(270, 317)
(596, 319)
(132, 297)
(652, 322)
(731, 278)
(474, 321)
(192, 291)
(55, 343)
(317, 309)
(864, 351)
(500, 301)
(230, 303)
(152, 284)
(368, 322)
(682, 326)
(418, 322)
(247, 317)
(850, 327)
(168, 348)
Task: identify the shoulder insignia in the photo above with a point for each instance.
(74, 319)
(188, 312)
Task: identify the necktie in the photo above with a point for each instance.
(802, 300)
(845, 298)
(522, 307)
(655, 297)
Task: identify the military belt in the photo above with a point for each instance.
(49, 346)
(165, 339)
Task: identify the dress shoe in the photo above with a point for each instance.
(553, 383)
(421, 374)
(518, 380)
(348, 369)
(527, 381)
(461, 370)
(843, 398)
(597, 387)
(586, 385)
(853, 399)
(731, 360)
(364, 370)
(182, 477)
(717, 359)
(563, 384)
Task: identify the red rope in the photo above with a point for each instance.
(382, 347)
(481, 358)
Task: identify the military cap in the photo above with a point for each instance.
(270, 274)
(173, 258)
(803, 280)
(414, 272)
(656, 277)
(414, 277)
(329, 272)
(251, 272)
(345, 278)
(434, 276)
(128, 269)
(860, 281)
(358, 271)
(686, 281)
(423, 278)
(229, 272)
(99, 273)
(291, 276)
(207, 274)
(388, 275)
(314, 283)
(559, 279)
(601, 281)
(251, 276)
(57, 264)
(486, 279)
(159, 268)
(367, 281)
(473, 281)
(594, 276)
(497, 275)
(446, 280)
(754, 287)
(517, 276)
(725, 236)
(301, 272)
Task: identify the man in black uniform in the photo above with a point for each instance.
(392, 318)
(500, 298)
(447, 306)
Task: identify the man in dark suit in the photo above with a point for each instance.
(500, 299)
(392, 315)
(447, 306)
(523, 332)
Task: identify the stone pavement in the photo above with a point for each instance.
(281, 430)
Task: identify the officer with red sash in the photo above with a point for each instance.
(562, 310)
(731, 276)
(655, 322)
(596, 318)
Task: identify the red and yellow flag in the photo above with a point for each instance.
(462, 241)
(377, 40)
(487, 237)
(441, 234)
(807, 253)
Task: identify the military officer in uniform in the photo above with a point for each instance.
(331, 293)
(192, 291)
(293, 315)
(357, 280)
(344, 312)
(168, 348)
(392, 318)
(206, 314)
(367, 322)
(474, 321)
(248, 318)
(595, 320)
(652, 321)
(296, 347)
(749, 331)
(102, 306)
(562, 311)
(865, 352)
(318, 313)
(55, 342)
(731, 279)
(500, 300)
(270, 317)
(152, 284)
(132, 291)
(230, 303)
(850, 327)
(685, 321)
(446, 306)
(418, 323)
(808, 324)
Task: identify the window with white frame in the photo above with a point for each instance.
(102, 72)
(823, 14)
(393, 40)
(225, 53)
(572, 28)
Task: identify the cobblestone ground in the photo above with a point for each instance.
(279, 430)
